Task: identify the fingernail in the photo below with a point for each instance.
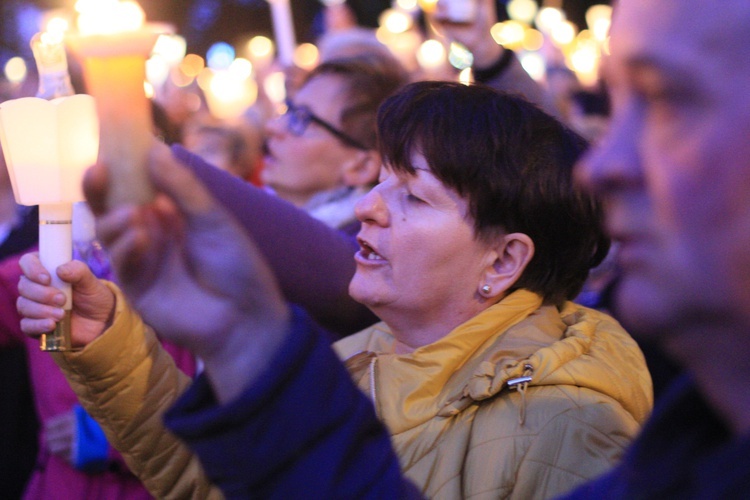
(58, 314)
(59, 299)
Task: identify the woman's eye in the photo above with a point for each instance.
(414, 199)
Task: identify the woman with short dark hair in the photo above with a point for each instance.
(489, 380)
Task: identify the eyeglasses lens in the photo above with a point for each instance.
(297, 119)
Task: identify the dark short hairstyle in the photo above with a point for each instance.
(368, 79)
(513, 163)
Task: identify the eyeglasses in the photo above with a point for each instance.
(299, 117)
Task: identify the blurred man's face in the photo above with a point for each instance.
(674, 168)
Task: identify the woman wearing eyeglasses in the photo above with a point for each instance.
(321, 153)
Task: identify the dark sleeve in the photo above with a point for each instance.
(24, 235)
(312, 262)
(303, 428)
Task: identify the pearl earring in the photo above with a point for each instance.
(487, 289)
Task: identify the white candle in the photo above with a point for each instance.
(283, 28)
(47, 146)
(56, 241)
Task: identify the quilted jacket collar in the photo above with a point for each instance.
(515, 337)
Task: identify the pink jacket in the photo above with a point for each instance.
(54, 477)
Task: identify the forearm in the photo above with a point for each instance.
(312, 262)
(126, 381)
(301, 426)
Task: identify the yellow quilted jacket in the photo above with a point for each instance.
(522, 401)
(126, 380)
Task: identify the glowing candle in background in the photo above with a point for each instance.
(306, 56)
(273, 86)
(598, 20)
(283, 29)
(167, 54)
(113, 44)
(260, 51)
(51, 62)
(432, 57)
(15, 70)
(229, 91)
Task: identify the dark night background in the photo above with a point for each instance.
(203, 22)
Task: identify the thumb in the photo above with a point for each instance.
(78, 275)
(91, 298)
(178, 182)
(95, 187)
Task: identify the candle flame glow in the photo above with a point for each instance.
(549, 17)
(100, 17)
(51, 37)
(431, 54)
(509, 33)
(260, 46)
(428, 6)
(407, 5)
(465, 76)
(306, 56)
(522, 10)
(274, 87)
(241, 68)
(57, 26)
(171, 48)
(192, 64)
(534, 65)
(395, 21)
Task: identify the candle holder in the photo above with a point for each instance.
(47, 146)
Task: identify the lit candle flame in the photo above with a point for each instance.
(100, 17)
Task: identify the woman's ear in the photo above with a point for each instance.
(362, 169)
(509, 259)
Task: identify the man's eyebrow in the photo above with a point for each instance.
(642, 67)
(663, 68)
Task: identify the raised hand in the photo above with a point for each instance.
(60, 435)
(192, 273)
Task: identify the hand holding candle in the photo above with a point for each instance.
(47, 146)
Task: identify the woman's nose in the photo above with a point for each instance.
(275, 126)
(372, 208)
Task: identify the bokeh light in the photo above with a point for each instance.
(220, 55)
(15, 70)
